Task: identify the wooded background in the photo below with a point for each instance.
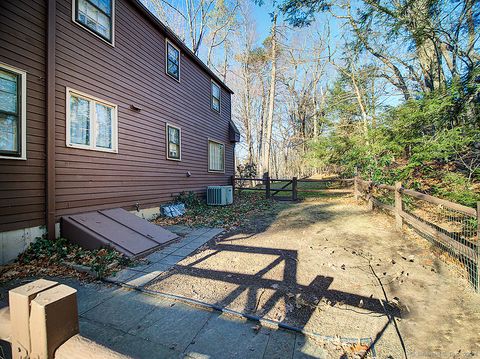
(392, 87)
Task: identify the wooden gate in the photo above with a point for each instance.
(289, 189)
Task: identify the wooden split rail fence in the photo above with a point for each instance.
(452, 227)
(291, 186)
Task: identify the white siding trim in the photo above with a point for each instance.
(224, 150)
(23, 112)
(219, 97)
(112, 43)
(167, 41)
(167, 125)
(114, 149)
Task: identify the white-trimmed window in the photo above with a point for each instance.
(174, 143)
(13, 108)
(172, 60)
(216, 95)
(97, 16)
(216, 156)
(91, 122)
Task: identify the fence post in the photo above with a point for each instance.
(232, 181)
(355, 187)
(370, 195)
(267, 185)
(294, 189)
(398, 206)
(355, 184)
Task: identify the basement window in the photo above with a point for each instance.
(96, 16)
(174, 149)
(173, 61)
(13, 113)
(216, 156)
(216, 94)
(91, 123)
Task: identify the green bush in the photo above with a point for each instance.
(190, 199)
(430, 139)
(456, 188)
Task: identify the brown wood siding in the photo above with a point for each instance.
(22, 45)
(133, 73)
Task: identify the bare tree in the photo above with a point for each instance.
(271, 101)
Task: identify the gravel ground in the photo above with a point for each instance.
(334, 268)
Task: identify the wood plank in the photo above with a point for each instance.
(326, 190)
(441, 202)
(382, 205)
(442, 238)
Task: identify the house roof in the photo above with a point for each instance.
(175, 39)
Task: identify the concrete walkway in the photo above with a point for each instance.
(145, 326)
(151, 326)
(190, 239)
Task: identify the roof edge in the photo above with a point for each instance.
(174, 38)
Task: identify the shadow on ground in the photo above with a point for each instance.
(333, 268)
(241, 272)
(144, 326)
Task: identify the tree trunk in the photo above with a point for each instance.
(271, 104)
(419, 24)
(247, 112)
(261, 129)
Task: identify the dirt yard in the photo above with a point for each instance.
(336, 269)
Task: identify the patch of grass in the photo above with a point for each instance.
(244, 207)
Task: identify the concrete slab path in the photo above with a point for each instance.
(150, 326)
(164, 259)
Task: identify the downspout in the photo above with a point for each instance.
(50, 87)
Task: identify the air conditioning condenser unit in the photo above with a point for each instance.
(219, 195)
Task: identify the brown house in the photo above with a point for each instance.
(101, 106)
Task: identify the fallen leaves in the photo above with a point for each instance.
(238, 214)
(60, 258)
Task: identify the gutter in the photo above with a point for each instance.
(50, 138)
(175, 39)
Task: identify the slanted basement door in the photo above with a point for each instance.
(116, 228)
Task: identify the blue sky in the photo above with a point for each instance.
(263, 20)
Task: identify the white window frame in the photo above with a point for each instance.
(219, 99)
(208, 159)
(93, 137)
(167, 42)
(74, 19)
(167, 125)
(23, 113)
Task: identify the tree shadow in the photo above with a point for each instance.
(142, 326)
(286, 289)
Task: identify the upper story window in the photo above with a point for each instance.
(91, 123)
(12, 113)
(173, 61)
(174, 149)
(216, 93)
(216, 156)
(96, 16)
